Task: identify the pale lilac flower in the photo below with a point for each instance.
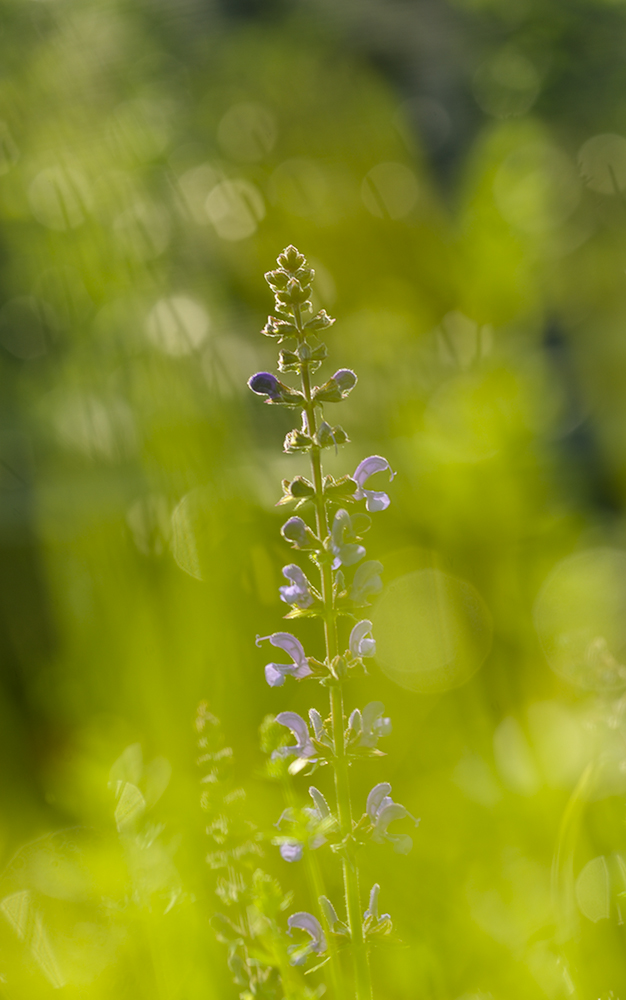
(375, 499)
(361, 642)
(291, 850)
(303, 746)
(306, 922)
(370, 724)
(297, 531)
(275, 673)
(382, 811)
(297, 592)
(366, 581)
(345, 553)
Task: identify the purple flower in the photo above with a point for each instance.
(275, 673)
(266, 384)
(346, 553)
(382, 811)
(306, 922)
(361, 641)
(375, 499)
(366, 582)
(291, 850)
(303, 746)
(297, 531)
(370, 724)
(346, 380)
(298, 592)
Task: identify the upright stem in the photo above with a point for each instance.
(363, 986)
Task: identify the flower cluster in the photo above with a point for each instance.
(334, 582)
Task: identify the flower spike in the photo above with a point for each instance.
(331, 539)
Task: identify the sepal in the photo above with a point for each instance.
(328, 437)
(299, 490)
(339, 490)
(282, 329)
(297, 441)
(321, 321)
(291, 259)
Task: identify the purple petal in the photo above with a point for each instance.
(307, 922)
(292, 851)
(359, 645)
(294, 573)
(292, 646)
(273, 675)
(375, 500)
(265, 384)
(296, 723)
(375, 799)
(295, 530)
(345, 378)
(372, 711)
(367, 468)
(389, 812)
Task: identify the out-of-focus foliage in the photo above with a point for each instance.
(456, 172)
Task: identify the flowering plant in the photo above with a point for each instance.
(332, 546)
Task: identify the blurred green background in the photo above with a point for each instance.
(455, 170)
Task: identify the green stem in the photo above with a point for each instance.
(363, 987)
(317, 889)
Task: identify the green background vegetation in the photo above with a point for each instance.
(434, 162)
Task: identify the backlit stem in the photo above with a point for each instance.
(363, 988)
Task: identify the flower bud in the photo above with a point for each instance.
(337, 387)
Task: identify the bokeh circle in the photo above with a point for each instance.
(433, 631)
